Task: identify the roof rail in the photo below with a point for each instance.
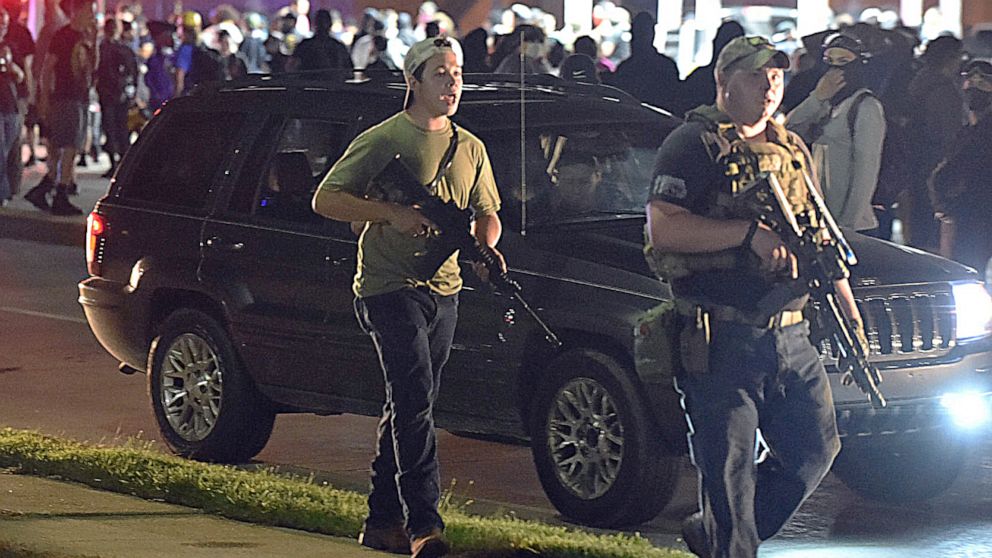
(549, 80)
(342, 77)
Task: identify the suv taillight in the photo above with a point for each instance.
(96, 226)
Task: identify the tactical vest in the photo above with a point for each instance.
(741, 162)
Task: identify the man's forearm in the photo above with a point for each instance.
(488, 230)
(845, 297)
(684, 232)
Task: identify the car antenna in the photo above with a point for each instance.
(523, 143)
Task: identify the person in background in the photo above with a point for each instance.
(476, 46)
(63, 98)
(116, 81)
(11, 74)
(322, 51)
(529, 40)
(22, 50)
(844, 123)
(224, 17)
(281, 43)
(253, 47)
(588, 46)
(160, 74)
(55, 19)
(648, 75)
(579, 68)
(961, 185)
(699, 88)
(300, 9)
(938, 112)
(195, 62)
(232, 63)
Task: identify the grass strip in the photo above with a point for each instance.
(268, 498)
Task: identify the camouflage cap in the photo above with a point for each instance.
(750, 53)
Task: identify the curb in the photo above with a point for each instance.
(41, 227)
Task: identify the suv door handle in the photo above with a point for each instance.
(219, 243)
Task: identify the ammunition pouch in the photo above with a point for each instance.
(656, 343)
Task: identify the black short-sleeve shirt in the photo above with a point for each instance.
(686, 175)
(68, 84)
(684, 172)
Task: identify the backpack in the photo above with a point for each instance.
(895, 172)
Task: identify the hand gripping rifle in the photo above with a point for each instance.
(821, 262)
(398, 184)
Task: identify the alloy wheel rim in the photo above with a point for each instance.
(585, 438)
(191, 387)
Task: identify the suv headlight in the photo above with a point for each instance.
(973, 310)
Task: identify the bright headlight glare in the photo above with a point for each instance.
(973, 308)
(968, 409)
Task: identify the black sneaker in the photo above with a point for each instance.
(82, 160)
(694, 535)
(38, 196)
(61, 205)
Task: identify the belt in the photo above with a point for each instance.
(721, 313)
(785, 318)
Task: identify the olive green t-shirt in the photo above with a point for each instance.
(387, 259)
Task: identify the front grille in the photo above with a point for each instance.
(915, 321)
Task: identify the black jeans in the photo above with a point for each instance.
(412, 330)
(115, 127)
(770, 380)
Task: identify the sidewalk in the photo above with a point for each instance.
(21, 220)
(68, 519)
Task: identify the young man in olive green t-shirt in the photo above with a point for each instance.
(410, 318)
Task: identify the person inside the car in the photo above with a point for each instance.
(411, 317)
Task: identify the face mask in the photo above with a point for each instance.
(533, 50)
(977, 99)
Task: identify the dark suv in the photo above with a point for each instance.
(210, 272)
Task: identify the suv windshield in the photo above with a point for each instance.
(576, 172)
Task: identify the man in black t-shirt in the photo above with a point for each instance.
(322, 51)
(116, 83)
(745, 346)
(63, 97)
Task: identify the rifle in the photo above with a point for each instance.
(821, 262)
(454, 224)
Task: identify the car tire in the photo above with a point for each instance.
(905, 470)
(224, 419)
(597, 452)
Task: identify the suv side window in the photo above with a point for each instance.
(179, 167)
(575, 172)
(278, 185)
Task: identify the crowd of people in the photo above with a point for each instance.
(879, 119)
